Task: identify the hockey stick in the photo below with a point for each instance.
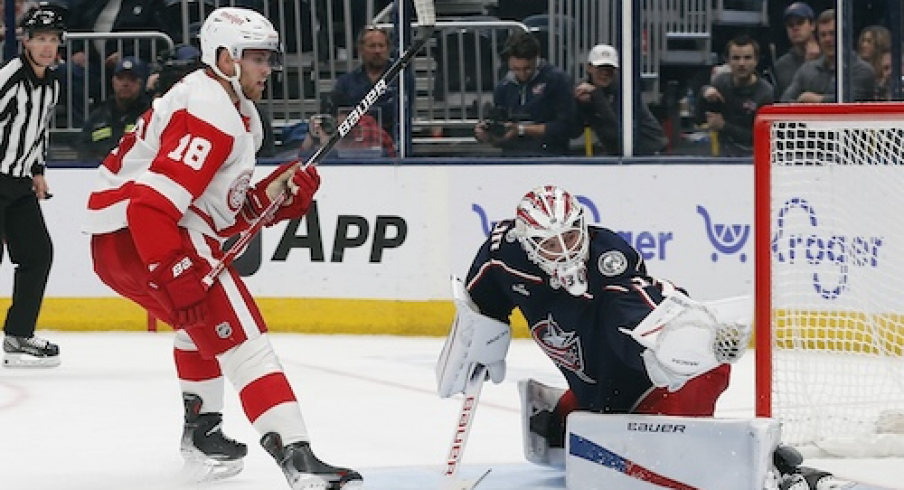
(426, 18)
(462, 429)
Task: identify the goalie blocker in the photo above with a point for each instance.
(474, 340)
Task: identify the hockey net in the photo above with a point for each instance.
(830, 276)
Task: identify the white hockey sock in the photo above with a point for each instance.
(267, 398)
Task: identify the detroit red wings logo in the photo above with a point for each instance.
(236, 194)
(564, 348)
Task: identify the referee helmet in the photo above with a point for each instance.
(42, 19)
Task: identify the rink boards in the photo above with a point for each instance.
(375, 253)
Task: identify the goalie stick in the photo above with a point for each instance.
(460, 437)
(426, 20)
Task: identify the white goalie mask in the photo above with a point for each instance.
(236, 30)
(551, 228)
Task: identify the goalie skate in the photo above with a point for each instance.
(792, 476)
(209, 455)
(304, 471)
(29, 352)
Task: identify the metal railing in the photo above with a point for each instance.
(85, 82)
(455, 75)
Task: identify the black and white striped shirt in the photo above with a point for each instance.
(26, 109)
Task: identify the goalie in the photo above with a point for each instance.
(625, 342)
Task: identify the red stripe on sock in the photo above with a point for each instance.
(265, 393)
(190, 366)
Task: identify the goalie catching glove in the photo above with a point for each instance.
(474, 340)
(685, 338)
(301, 184)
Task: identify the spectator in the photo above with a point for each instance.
(367, 138)
(535, 110)
(172, 65)
(815, 81)
(874, 46)
(598, 103)
(117, 115)
(731, 101)
(800, 27)
(22, 6)
(883, 80)
(350, 88)
(117, 16)
(873, 41)
(89, 59)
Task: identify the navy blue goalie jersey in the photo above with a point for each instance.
(580, 334)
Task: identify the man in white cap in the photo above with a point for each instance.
(599, 99)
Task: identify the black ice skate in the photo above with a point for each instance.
(29, 352)
(304, 471)
(209, 455)
(793, 476)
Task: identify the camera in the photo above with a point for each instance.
(498, 116)
(496, 119)
(716, 106)
(327, 123)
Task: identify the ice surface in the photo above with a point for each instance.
(109, 418)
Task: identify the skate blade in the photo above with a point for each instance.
(201, 469)
(352, 485)
(313, 482)
(15, 360)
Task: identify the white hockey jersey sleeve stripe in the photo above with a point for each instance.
(110, 217)
(168, 188)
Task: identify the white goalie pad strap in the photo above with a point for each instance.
(634, 452)
(473, 340)
(686, 338)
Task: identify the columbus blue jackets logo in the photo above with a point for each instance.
(564, 348)
(612, 263)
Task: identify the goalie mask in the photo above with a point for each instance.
(550, 226)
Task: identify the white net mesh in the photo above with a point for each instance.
(837, 283)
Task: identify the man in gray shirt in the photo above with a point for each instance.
(815, 80)
(799, 24)
(731, 101)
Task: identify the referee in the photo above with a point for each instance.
(29, 90)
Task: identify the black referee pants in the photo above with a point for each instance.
(28, 246)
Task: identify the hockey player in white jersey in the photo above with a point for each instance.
(167, 198)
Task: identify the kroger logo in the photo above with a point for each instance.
(831, 254)
(727, 238)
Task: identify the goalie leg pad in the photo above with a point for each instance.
(543, 411)
(633, 452)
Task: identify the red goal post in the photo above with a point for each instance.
(829, 274)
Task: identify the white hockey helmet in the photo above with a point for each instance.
(551, 228)
(237, 29)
